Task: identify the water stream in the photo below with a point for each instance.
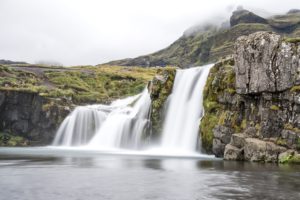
(125, 124)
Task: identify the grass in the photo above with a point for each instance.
(81, 83)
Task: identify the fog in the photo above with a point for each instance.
(81, 32)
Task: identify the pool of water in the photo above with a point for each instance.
(62, 174)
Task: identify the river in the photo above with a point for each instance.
(63, 174)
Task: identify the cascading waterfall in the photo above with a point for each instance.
(125, 123)
(124, 127)
(120, 124)
(185, 109)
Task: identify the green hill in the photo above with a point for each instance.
(211, 43)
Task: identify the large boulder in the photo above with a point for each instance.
(222, 135)
(261, 151)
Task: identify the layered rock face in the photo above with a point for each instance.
(29, 116)
(259, 119)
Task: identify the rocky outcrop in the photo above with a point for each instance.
(265, 63)
(160, 88)
(30, 116)
(260, 111)
(245, 16)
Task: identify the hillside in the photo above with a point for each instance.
(210, 43)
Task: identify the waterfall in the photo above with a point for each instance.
(121, 124)
(125, 122)
(185, 109)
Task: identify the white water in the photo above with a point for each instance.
(185, 109)
(125, 123)
(100, 126)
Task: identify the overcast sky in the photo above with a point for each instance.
(77, 32)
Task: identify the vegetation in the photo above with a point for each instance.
(210, 43)
(11, 140)
(274, 107)
(80, 84)
(290, 158)
(220, 82)
(160, 91)
(296, 88)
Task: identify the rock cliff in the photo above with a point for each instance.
(29, 119)
(256, 118)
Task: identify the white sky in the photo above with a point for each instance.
(75, 32)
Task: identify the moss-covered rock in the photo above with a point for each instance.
(219, 93)
(160, 89)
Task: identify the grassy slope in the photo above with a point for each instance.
(86, 84)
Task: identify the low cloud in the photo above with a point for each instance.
(77, 32)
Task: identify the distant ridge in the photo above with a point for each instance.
(209, 43)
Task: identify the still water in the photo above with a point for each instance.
(56, 174)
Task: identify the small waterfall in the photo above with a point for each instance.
(121, 124)
(79, 127)
(185, 109)
(125, 122)
(124, 127)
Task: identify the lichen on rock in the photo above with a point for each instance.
(263, 111)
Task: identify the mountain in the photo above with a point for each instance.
(206, 44)
(9, 62)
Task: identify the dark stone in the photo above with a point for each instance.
(245, 16)
(218, 148)
(22, 114)
(233, 153)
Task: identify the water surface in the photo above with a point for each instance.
(43, 173)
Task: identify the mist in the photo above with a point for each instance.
(82, 32)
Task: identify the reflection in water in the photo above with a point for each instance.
(74, 175)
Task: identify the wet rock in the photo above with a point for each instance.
(238, 140)
(22, 115)
(260, 151)
(290, 137)
(218, 148)
(233, 153)
(223, 133)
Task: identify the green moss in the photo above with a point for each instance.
(274, 107)
(291, 158)
(11, 140)
(290, 127)
(160, 91)
(281, 142)
(295, 88)
(292, 40)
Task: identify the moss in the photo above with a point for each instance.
(290, 127)
(11, 140)
(281, 142)
(274, 107)
(221, 80)
(160, 91)
(291, 158)
(296, 88)
(292, 40)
